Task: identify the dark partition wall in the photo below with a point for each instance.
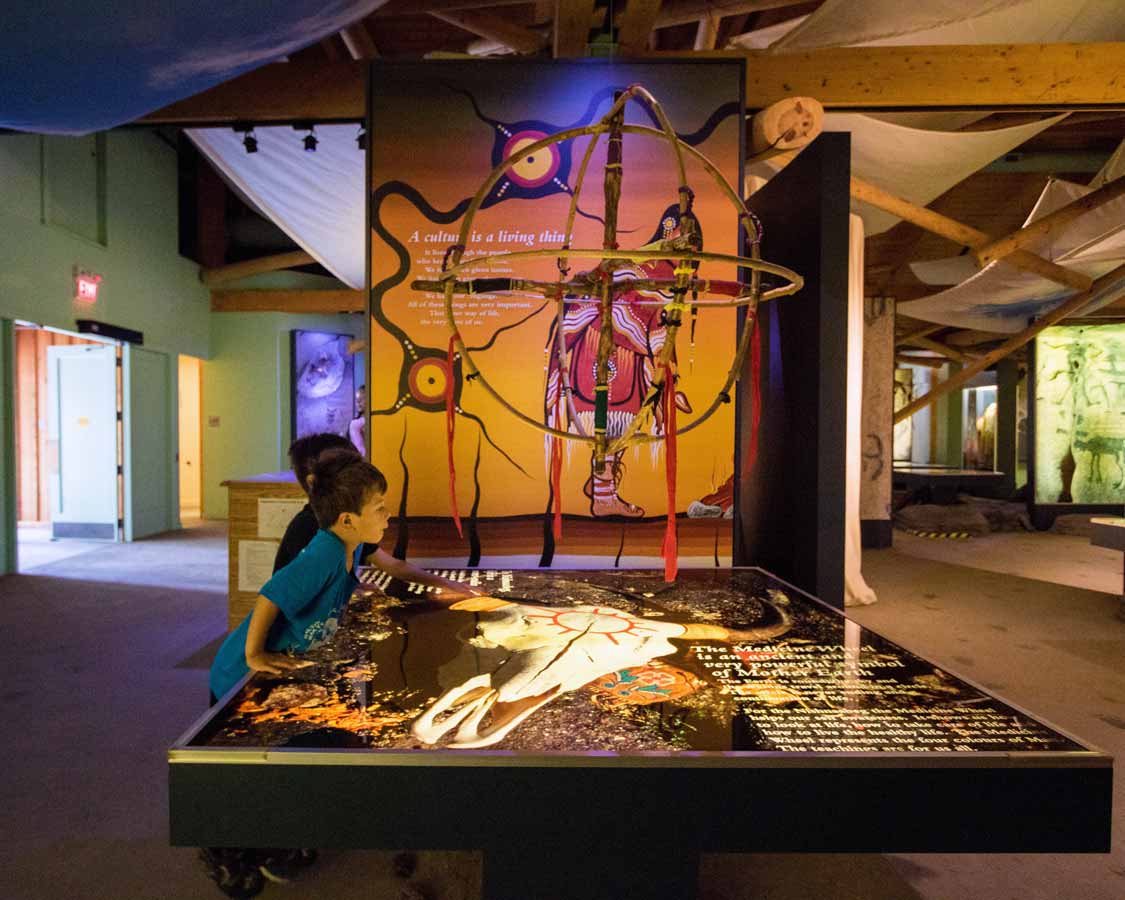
(789, 495)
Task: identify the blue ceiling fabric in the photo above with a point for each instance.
(76, 67)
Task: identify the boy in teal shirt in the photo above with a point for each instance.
(300, 607)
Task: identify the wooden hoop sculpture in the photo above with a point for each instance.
(599, 287)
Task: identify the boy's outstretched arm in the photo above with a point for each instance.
(258, 658)
(399, 568)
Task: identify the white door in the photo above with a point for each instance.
(151, 497)
(82, 430)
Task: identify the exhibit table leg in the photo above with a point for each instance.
(590, 870)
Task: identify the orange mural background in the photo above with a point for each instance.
(432, 145)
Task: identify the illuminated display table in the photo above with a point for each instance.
(598, 730)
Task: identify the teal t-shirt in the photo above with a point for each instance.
(311, 593)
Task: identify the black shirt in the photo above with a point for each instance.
(302, 529)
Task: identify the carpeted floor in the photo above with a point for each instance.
(106, 663)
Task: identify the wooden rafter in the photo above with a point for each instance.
(923, 332)
(234, 271)
(682, 12)
(634, 26)
(1039, 76)
(706, 33)
(495, 28)
(928, 361)
(962, 234)
(1113, 280)
(358, 41)
(938, 347)
(1054, 222)
(571, 27)
(847, 77)
(324, 302)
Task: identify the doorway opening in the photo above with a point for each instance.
(191, 439)
(68, 444)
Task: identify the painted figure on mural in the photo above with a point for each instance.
(638, 337)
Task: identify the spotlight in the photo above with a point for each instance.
(248, 140)
(361, 138)
(310, 142)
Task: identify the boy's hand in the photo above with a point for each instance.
(275, 663)
(480, 604)
(451, 591)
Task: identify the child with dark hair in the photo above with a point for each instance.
(303, 528)
(300, 607)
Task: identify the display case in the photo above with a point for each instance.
(576, 711)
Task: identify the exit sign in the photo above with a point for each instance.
(86, 285)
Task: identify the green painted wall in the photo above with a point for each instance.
(246, 387)
(7, 448)
(147, 285)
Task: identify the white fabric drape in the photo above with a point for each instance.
(856, 590)
(846, 23)
(315, 198)
(1002, 298)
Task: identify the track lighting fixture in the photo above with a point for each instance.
(249, 141)
(361, 138)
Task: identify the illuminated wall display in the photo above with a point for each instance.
(1080, 414)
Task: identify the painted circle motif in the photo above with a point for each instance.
(428, 378)
(537, 169)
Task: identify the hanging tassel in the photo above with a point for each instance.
(670, 548)
(450, 420)
(556, 466)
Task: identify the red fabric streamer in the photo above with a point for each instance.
(670, 548)
(556, 467)
(450, 420)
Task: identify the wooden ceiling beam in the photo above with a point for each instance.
(931, 362)
(682, 12)
(357, 39)
(288, 301)
(234, 271)
(706, 33)
(1054, 222)
(495, 28)
(634, 26)
(928, 344)
(954, 76)
(571, 29)
(841, 78)
(282, 92)
(962, 234)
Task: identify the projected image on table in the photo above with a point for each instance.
(1080, 415)
(558, 661)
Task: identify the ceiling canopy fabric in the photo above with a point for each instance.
(77, 67)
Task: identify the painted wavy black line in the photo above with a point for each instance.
(713, 121)
(500, 331)
(403, 536)
(471, 525)
(437, 216)
(620, 549)
(472, 417)
(548, 554)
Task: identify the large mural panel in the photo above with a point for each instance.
(1080, 414)
(437, 132)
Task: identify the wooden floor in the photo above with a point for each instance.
(524, 535)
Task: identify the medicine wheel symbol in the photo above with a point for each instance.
(608, 622)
